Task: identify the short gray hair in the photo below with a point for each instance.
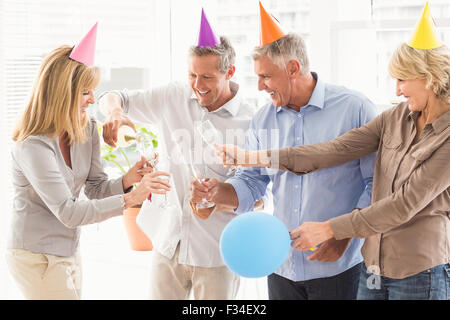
(224, 51)
(280, 52)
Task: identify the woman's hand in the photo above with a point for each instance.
(232, 155)
(150, 183)
(310, 234)
(154, 183)
(135, 174)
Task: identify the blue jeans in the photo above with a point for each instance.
(431, 284)
(343, 286)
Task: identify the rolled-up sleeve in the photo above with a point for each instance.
(250, 186)
(146, 105)
(249, 183)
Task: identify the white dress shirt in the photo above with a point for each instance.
(176, 110)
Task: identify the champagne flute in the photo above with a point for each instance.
(200, 177)
(144, 144)
(212, 137)
(163, 164)
(208, 132)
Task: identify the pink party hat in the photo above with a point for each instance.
(206, 37)
(84, 52)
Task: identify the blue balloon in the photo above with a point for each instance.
(254, 244)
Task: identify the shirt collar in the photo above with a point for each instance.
(439, 125)
(412, 115)
(232, 106)
(317, 98)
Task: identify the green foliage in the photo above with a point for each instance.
(111, 154)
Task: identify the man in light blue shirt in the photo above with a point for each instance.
(304, 110)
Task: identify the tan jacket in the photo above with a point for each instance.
(407, 227)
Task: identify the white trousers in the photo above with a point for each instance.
(170, 280)
(44, 276)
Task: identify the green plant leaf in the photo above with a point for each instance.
(107, 148)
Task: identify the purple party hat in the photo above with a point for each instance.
(206, 37)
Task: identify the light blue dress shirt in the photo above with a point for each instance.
(318, 196)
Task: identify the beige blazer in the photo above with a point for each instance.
(47, 211)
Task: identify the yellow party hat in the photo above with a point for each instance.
(425, 35)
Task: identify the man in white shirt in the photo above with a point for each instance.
(187, 257)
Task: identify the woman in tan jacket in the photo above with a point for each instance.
(407, 227)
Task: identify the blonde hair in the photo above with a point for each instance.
(280, 52)
(54, 105)
(433, 65)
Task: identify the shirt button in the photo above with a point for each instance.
(299, 115)
(295, 210)
(298, 138)
(296, 186)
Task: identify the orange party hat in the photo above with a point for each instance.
(270, 27)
